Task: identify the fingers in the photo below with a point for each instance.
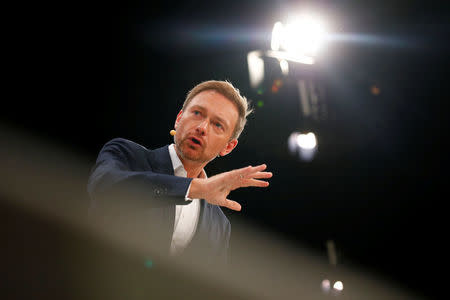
(257, 169)
(255, 183)
(246, 177)
(262, 175)
(231, 205)
(248, 171)
(247, 182)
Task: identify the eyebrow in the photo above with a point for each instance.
(221, 120)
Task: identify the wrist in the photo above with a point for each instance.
(196, 188)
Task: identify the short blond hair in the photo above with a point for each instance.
(226, 89)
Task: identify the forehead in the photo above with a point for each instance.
(216, 104)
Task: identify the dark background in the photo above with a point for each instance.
(89, 72)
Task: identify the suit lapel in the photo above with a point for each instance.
(202, 229)
(160, 162)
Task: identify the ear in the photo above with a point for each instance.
(229, 147)
(177, 120)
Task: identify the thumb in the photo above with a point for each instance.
(232, 205)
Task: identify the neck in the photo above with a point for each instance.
(193, 169)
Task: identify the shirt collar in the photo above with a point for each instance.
(178, 167)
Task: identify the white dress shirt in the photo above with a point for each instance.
(186, 216)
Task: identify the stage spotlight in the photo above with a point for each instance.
(326, 285)
(255, 68)
(303, 144)
(307, 141)
(299, 41)
(299, 38)
(277, 36)
(338, 286)
(284, 66)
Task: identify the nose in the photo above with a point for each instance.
(202, 127)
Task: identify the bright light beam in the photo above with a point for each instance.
(302, 37)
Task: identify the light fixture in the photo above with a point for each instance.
(303, 144)
(298, 40)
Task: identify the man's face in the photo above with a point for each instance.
(205, 127)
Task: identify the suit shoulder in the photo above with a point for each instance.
(122, 141)
(122, 144)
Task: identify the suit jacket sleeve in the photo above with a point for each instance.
(126, 169)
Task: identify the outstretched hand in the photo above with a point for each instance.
(216, 189)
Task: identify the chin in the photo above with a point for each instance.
(193, 154)
(190, 153)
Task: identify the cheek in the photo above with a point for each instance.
(180, 125)
(219, 143)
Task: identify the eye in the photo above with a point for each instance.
(218, 125)
(196, 112)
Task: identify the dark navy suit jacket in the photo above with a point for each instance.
(132, 174)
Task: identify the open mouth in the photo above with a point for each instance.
(196, 141)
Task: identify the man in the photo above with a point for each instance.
(170, 184)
